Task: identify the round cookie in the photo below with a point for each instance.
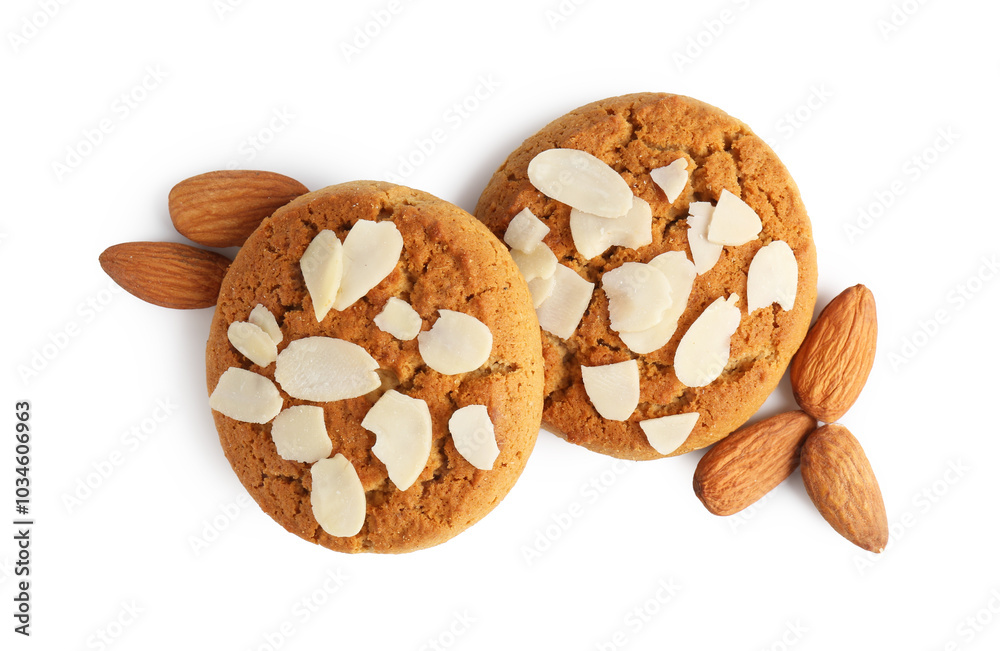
(449, 261)
(635, 134)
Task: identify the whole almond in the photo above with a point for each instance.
(167, 274)
(840, 482)
(222, 208)
(832, 365)
(748, 463)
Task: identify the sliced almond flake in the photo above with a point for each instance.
(326, 369)
(371, 251)
(704, 253)
(613, 389)
(261, 317)
(580, 180)
(540, 263)
(456, 343)
(703, 351)
(337, 496)
(592, 235)
(299, 434)
(525, 231)
(245, 396)
(638, 295)
(399, 319)
(773, 277)
(563, 310)
(541, 289)
(472, 432)
(680, 274)
(322, 266)
(672, 179)
(668, 433)
(733, 222)
(402, 427)
(251, 340)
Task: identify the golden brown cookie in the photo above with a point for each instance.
(449, 261)
(635, 134)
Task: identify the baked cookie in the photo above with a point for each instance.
(375, 368)
(650, 348)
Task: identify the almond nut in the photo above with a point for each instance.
(222, 208)
(840, 482)
(748, 463)
(167, 274)
(832, 365)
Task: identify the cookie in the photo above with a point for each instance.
(450, 272)
(716, 159)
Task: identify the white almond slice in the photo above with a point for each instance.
(337, 497)
(703, 351)
(638, 295)
(456, 343)
(261, 317)
(255, 344)
(668, 433)
(325, 369)
(563, 310)
(581, 181)
(733, 222)
(402, 427)
(322, 267)
(399, 319)
(773, 277)
(704, 253)
(299, 434)
(371, 251)
(613, 389)
(592, 235)
(541, 289)
(680, 274)
(540, 263)
(525, 231)
(472, 432)
(245, 396)
(672, 179)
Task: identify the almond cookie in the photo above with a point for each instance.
(672, 267)
(375, 368)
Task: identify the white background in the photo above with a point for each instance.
(846, 98)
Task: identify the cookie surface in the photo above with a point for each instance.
(449, 261)
(635, 134)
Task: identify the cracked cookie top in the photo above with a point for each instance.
(449, 263)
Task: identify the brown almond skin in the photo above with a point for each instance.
(748, 463)
(167, 274)
(842, 485)
(831, 367)
(222, 208)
